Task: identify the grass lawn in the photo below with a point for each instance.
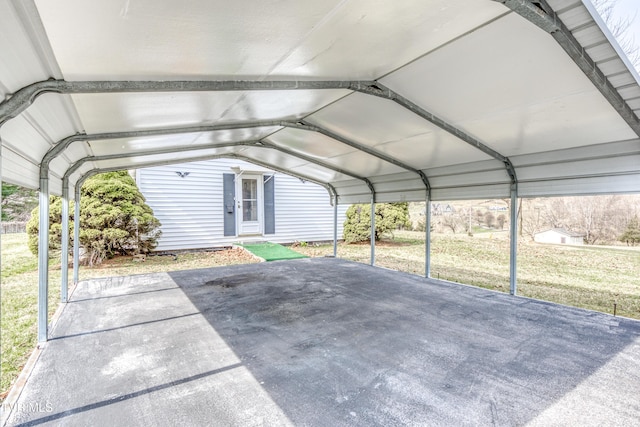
(588, 277)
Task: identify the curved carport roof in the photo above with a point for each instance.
(462, 97)
(395, 100)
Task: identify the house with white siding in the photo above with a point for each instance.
(219, 202)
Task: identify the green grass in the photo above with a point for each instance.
(595, 278)
(588, 277)
(19, 306)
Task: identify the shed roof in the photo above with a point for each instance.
(563, 232)
(466, 99)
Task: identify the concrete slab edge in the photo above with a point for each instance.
(15, 391)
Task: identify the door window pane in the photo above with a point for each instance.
(249, 211)
(249, 189)
(249, 199)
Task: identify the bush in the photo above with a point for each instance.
(389, 217)
(631, 235)
(114, 219)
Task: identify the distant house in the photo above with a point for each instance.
(559, 236)
(219, 202)
(438, 209)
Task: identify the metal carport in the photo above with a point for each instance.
(391, 101)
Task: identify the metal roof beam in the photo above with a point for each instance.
(76, 165)
(360, 147)
(312, 160)
(257, 143)
(64, 143)
(23, 98)
(382, 91)
(95, 171)
(543, 16)
(330, 188)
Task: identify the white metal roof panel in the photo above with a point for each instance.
(21, 129)
(513, 100)
(393, 130)
(179, 141)
(617, 184)
(310, 143)
(54, 115)
(359, 39)
(175, 39)
(431, 150)
(21, 63)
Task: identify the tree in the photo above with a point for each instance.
(17, 202)
(479, 217)
(489, 219)
(501, 219)
(603, 219)
(631, 236)
(619, 28)
(114, 219)
(389, 217)
(451, 221)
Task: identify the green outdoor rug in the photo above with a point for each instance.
(272, 251)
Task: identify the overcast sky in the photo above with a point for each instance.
(629, 8)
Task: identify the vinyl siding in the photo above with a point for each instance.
(191, 208)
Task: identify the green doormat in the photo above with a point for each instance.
(272, 251)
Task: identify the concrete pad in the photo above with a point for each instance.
(327, 342)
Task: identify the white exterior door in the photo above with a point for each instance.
(249, 203)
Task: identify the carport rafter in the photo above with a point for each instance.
(330, 188)
(60, 146)
(266, 144)
(64, 143)
(544, 17)
(256, 144)
(381, 91)
(361, 147)
(24, 97)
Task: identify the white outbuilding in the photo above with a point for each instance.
(559, 236)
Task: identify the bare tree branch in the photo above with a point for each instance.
(620, 29)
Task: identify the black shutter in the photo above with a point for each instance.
(229, 196)
(269, 205)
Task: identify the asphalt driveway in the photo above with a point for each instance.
(326, 342)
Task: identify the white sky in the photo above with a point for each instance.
(629, 8)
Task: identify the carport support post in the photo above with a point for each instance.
(64, 255)
(43, 258)
(427, 239)
(76, 232)
(0, 218)
(373, 230)
(335, 225)
(513, 241)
